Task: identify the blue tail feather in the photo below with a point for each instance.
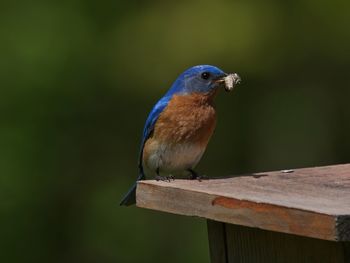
(130, 197)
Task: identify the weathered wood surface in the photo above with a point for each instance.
(312, 202)
(239, 244)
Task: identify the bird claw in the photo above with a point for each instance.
(165, 178)
(202, 177)
(198, 177)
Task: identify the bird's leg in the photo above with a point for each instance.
(163, 178)
(158, 177)
(194, 175)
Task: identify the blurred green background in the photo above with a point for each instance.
(79, 77)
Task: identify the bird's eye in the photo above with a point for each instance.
(205, 75)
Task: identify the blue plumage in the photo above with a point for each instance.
(152, 118)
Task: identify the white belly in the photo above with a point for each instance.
(174, 158)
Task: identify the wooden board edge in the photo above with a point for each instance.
(240, 212)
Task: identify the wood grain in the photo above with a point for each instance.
(312, 202)
(217, 242)
(250, 245)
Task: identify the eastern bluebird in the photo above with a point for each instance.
(180, 125)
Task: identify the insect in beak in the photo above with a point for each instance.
(229, 81)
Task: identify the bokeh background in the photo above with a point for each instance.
(78, 79)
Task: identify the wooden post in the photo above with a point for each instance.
(300, 215)
(239, 244)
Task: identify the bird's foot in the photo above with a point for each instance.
(195, 176)
(165, 178)
(200, 178)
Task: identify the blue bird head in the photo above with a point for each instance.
(198, 79)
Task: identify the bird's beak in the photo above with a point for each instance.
(229, 81)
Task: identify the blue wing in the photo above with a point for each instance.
(130, 197)
(150, 122)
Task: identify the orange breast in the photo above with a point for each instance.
(187, 118)
(181, 133)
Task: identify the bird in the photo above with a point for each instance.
(180, 125)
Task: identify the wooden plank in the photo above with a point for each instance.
(253, 245)
(313, 202)
(217, 242)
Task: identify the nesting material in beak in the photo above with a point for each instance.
(231, 80)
